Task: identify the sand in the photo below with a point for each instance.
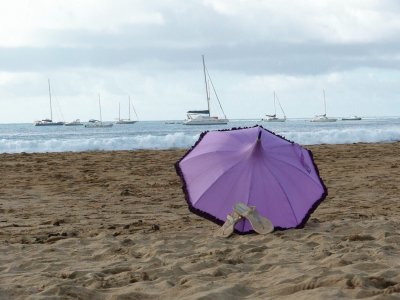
(115, 225)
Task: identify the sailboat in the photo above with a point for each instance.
(126, 121)
(323, 118)
(96, 123)
(203, 117)
(274, 118)
(48, 122)
(76, 122)
(352, 118)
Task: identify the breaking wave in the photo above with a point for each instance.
(148, 141)
(346, 136)
(157, 135)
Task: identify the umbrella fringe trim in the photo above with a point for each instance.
(318, 202)
(221, 222)
(187, 198)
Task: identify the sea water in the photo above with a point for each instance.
(17, 138)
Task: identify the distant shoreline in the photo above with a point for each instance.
(231, 119)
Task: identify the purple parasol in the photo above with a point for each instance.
(254, 166)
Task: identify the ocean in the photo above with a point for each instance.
(18, 138)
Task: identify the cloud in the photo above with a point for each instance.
(50, 23)
(252, 36)
(25, 22)
(332, 21)
(255, 58)
(152, 50)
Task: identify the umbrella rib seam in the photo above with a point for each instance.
(299, 169)
(207, 153)
(224, 173)
(287, 198)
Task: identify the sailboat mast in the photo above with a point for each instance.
(207, 92)
(324, 102)
(119, 111)
(129, 110)
(134, 110)
(51, 109)
(283, 112)
(101, 120)
(274, 105)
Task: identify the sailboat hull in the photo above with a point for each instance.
(73, 124)
(219, 122)
(77, 122)
(205, 120)
(49, 123)
(98, 125)
(351, 119)
(125, 122)
(274, 120)
(324, 120)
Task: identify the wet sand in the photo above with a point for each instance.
(115, 225)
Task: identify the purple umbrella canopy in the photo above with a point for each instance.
(254, 166)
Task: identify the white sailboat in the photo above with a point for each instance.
(96, 123)
(352, 118)
(76, 122)
(48, 122)
(323, 118)
(203, 117)
(274, 118)
(126, 121)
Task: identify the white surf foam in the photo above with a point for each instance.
(148, 141)
(17, 144)
(346, 136)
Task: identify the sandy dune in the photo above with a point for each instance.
(115, 225)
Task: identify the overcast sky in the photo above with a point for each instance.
(151, 50)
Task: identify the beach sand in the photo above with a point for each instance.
(115, 225)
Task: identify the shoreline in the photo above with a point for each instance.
(109, 224)
(184, 149)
